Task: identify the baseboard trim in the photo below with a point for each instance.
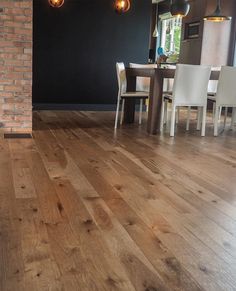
(80, 107)
(17, 135)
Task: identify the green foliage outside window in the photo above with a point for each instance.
(173, 49)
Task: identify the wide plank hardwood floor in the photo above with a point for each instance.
(84, 208)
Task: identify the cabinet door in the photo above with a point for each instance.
(190, 52)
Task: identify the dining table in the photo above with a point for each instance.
(157, 77)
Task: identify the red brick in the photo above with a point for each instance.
(16, 65)
(13, 76)
(17, 50)
(6, 82)
(12, 88)
(6, 95)
(21, 69)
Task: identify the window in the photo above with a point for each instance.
(170, 36)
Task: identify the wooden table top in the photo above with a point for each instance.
(164, 72)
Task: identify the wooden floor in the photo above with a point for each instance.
(83, 208)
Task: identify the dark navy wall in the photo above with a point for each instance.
(76, 48)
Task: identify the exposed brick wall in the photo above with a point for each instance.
(16, 65)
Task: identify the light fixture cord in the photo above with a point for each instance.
(156, 14)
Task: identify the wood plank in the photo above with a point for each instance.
(40, 269)
(23, 181)
(11, 260)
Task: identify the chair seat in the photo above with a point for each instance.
(135, 94)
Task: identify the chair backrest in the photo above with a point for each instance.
(168, 83)
(143, 83)
(212, 87)
(121, 77)
(190, 84)
(226, 90)
(145, 66)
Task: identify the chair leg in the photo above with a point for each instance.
(172, 124)
(117, 112)
(140, 111)
(233, 117)
(213, 112)
(216, 120)
(177, 115)
(220, 111)
(226, 114)
(188, 117)
(122, 111)
(147, 103)
(199, 117)
(162, 115)
(165, 111)
(204, 109)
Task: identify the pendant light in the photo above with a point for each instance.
(179, 8)
(155, 32)
(56, 3)
(122, 6)
(217, 16)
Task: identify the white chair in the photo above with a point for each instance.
(168, 83)
(212, 87)
(190, 89)
(167, 96)
(211, 92)
(143, 83)
(211, 96)
(226, 94)
(123, 94)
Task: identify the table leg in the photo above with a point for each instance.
(155, 103)
(129, 110)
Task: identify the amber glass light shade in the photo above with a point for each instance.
(56, 3)
(122, 6)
